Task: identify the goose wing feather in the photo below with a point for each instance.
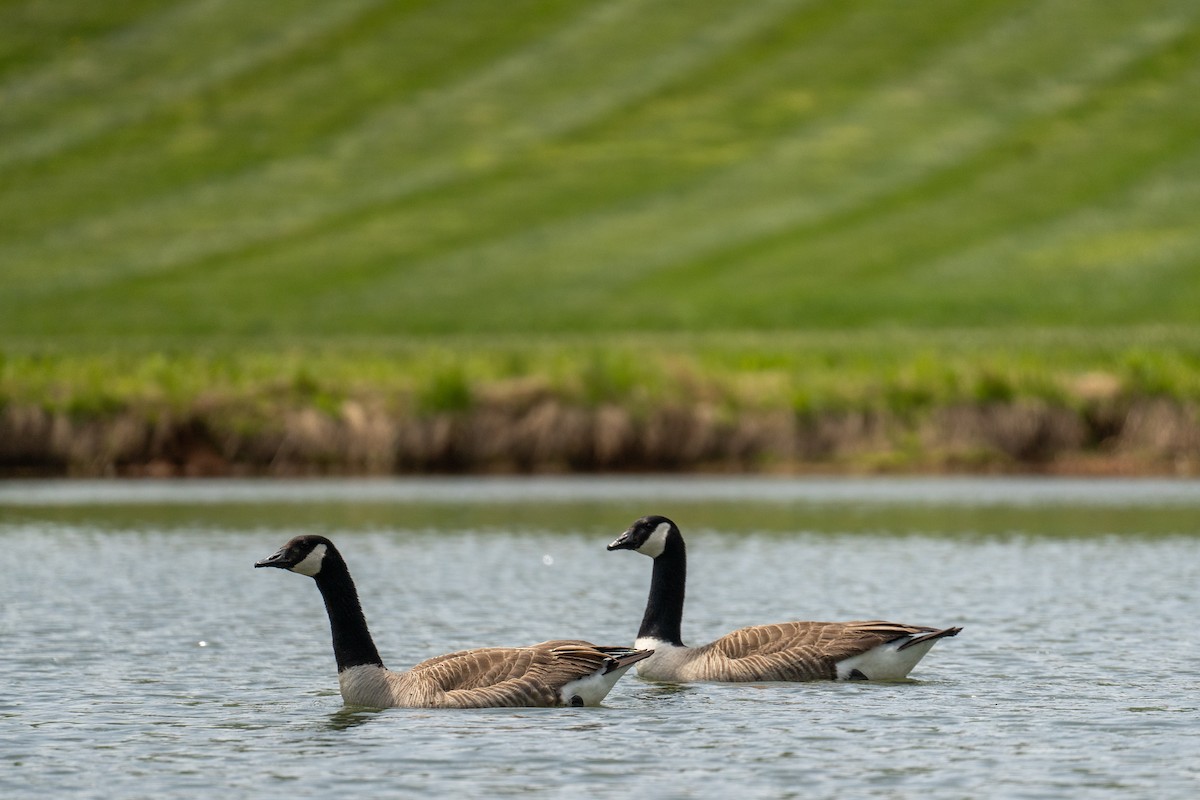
(796, 651)
(503, 676)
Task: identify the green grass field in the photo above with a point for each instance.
(385, 169)
(794, 204)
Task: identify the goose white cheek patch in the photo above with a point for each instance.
(656, 542)
(311, 564)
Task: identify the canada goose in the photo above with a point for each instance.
(787, 651)
(557, 673)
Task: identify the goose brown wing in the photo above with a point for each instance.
(797, 651)
(508, 676)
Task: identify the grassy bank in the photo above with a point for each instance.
(574, 234)
(1057, 400)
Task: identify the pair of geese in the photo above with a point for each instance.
(576, 673)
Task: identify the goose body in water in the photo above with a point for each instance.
(786, 651)
(554, 673)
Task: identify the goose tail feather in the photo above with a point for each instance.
(622, 657)
(929, 637)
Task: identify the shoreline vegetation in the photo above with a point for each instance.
(1058, 402)
(368, 238)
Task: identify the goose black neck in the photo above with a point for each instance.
(352, 642)
(664, 608)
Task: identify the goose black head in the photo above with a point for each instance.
(647, 536)
(303, 554)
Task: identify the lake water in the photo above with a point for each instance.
(141, 655)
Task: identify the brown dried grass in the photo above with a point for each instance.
(535, 432)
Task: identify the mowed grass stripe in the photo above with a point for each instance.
(193, 163)
(713, 229)
(276, 191)
(947, 169)
(132, 77)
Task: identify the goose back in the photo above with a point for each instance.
(546, 674)
(791, 651)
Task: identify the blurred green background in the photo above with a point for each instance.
(393, 168)
(933, 195)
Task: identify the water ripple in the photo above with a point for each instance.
(1071, 677)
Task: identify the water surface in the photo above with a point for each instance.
(142, 655)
